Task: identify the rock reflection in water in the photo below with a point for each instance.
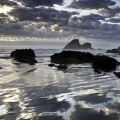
(47, 105)
(43, 91)
(81, 113)
(114, 105)
(93, 98)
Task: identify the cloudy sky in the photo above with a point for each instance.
(88, 18)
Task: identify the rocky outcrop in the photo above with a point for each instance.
(115, 50)
(86, 46)
(104, 63)
(69, 57)
(74, 44)
(100, 63)
(24, 56)
(112, 51)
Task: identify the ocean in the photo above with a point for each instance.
(40, 92)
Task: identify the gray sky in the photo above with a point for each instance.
(87, 18)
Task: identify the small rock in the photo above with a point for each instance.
(112, 51)
(51, 65)
(117, 74)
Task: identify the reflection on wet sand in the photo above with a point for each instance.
(91, 114)
(93, 98)
(16, 105)
(9, 78)
(30, 103)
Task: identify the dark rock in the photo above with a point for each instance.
(61, 66)
(74, 44)
(112, 51)
(117, 74)
(100, 63)
(104, 63)
(23, 53)
(24, 56)
(115, 50)
(86, 46)
(119, 49)
(51, 65)
(69, 57)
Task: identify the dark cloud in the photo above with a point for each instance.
(114, 11)
(92, 4)
(108, 27)
(45, 18)
(94, 22)
(33, 19)
(33, 3)
(2, 21)
(40, 14)
(3, 17)
(90, 25)
(16, 26)
(91, 21)
(7, 2)
(92, 17)
(7, 24)
(114, 20)
(103, 31)
(84, 25)
(95, 26)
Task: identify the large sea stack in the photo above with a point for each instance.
(74, 44)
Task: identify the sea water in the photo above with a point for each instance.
(40, 92)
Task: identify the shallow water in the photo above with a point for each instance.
(40, 92)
